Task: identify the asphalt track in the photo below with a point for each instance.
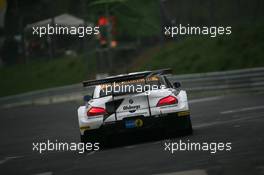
(238, 119)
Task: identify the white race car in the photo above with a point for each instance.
(133, 102)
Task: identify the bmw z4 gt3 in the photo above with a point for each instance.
(133, 102)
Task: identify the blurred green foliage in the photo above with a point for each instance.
(39, 75)
(243, 49)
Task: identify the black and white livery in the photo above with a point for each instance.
(133, 102)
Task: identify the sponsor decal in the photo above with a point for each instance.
(131, 101)
(131, 108)
(134, 123)
(139, 123)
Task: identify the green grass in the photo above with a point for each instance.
(243, 49)
(39, 75)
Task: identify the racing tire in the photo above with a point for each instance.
(91, 137)
(188, 130)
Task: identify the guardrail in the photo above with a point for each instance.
(236, 80)
(202, 83)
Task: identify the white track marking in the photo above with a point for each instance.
(205, 99)
(189, 172)
(90, 153)
(157, 142)
(129, 147)
(242, 109)
(8, 158)
(226, 122)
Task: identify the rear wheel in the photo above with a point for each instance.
(93, 136)
(84, 138)
(90, 136)
(189, 130)
(182, 128)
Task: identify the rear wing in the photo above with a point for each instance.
(126, 77)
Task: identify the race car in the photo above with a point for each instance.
(133, 102)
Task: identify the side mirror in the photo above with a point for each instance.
(177, 84)
(87, 98)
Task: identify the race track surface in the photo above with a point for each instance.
(238, 119)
